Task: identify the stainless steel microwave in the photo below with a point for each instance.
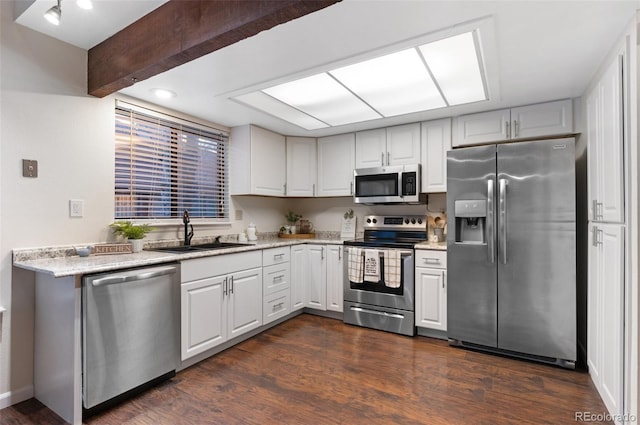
(395, 184)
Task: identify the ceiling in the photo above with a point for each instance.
(534, 51)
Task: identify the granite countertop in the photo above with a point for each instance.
(438, 246)
(61, 261)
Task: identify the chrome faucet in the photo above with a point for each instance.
(187, 234)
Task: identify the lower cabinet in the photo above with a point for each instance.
(221, 298)
(316, 277)
(605, 332)
(276, 284)
(431, 289)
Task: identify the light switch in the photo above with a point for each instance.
(29, 168)
(76, 208)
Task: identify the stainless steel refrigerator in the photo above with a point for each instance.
(511, 249)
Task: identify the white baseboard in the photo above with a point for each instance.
(12, 397)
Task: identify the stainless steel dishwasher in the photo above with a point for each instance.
(130, 331)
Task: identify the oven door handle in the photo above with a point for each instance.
(379, 313)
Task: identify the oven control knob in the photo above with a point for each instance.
(375, 221)
(419, 221)
(406, 221)
(368, 220)
(413, 221)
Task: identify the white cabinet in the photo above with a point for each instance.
(605, 147)
(431, 289)
(371, 148)
(398, 145)
(316, 291)
(335, 273)
(605, 330)
(301, 166)
(276, 284)
(221, 298)
(403, 144)
(540, 120)
(436, 142)
(258, 162)
(336, 159)
(299, 276)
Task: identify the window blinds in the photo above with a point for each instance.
(165, 165)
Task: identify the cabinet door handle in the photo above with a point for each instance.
(339, 254)
(313, 190)
(278, 256)
(285, 188)
(322, 254)
(225, 287)
(444, 278)
(278, 278)
(382, 159)
(507, 129)
(231, 290)
(430, 260)
(351, 188)
(388, 158)
(515, 128)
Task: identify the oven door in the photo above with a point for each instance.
(397, 295)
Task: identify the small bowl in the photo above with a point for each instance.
(83, 252)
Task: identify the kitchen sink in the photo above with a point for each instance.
(195, 248)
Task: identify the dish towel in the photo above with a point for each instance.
(371, 265)
(392, 266)
(355, 265)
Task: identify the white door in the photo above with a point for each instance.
(611, 170)
(336, 159)
(268, 162)
(203, 314)
(301, 166)
(335, 278)
(436, 142)
(244, 301)
(482, 128)
(371, 148)
(431, 301)
(299, 276)
(403, 144)
(594, 307)
(594, 182)
(543, 119)
(316, 291)
(611, 249)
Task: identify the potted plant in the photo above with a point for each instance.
(132, 232)
(292, 219)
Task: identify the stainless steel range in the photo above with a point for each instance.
(379, 273)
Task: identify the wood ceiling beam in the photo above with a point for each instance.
(180, 31)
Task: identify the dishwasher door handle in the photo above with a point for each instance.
(110, 280)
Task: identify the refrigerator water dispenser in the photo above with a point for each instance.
(471, 219)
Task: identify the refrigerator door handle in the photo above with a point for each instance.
(502, 219)
(490, 236)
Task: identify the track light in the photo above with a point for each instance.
(54, 14)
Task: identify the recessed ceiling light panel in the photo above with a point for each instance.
(272, 106)
(455, 64)
(163, 93)
(394, 84)
(324, 98)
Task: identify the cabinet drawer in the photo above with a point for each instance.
(275, 306)
(201, 268)
(275, 278)
(275, 256)
(431, 258)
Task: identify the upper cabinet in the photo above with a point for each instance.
(398, 145)
(436, 141)
(605, 147)
(258, 162)
(336, 159)
(524, 122)
(301, 166)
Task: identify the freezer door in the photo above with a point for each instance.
(537, 248)
(471, 249)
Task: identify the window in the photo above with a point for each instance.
(165, 165)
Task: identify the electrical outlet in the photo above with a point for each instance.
(238, 215)
(76, 208)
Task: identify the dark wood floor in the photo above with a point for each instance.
(313, 370)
